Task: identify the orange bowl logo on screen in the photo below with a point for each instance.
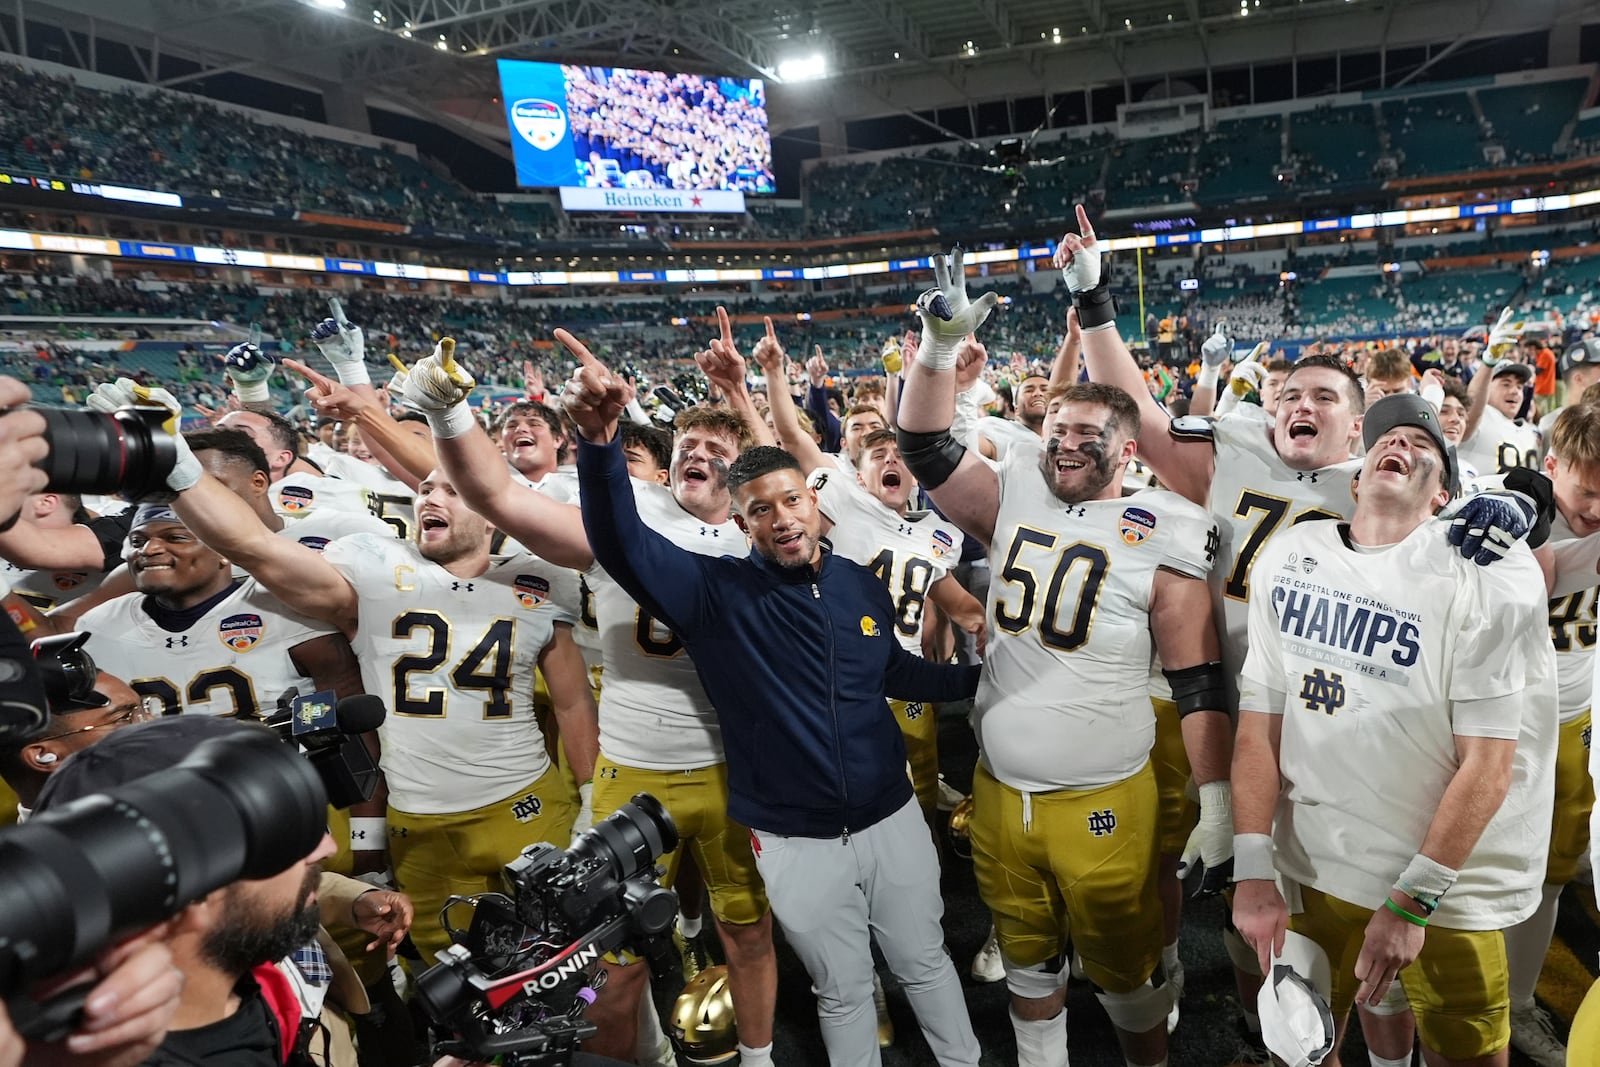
(539, 122)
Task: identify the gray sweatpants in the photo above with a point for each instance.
(830, 895)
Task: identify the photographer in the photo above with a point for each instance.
(78, 719)
(236, 1008)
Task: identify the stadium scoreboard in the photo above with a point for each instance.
(620, 139)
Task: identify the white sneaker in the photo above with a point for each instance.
(987, 965)
(1175, 980)
(1533, 1035)
(949, 796)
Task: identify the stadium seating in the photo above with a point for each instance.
(1150, 170)
(1239, 159)
(1527, 119)
(1433, 134)
(1334, 146)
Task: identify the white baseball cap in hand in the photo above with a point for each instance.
(1296, 1021)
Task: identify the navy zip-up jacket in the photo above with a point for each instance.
(797, 663)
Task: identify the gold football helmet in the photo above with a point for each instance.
(702, 1025)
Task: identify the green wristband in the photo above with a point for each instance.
(1414, 920)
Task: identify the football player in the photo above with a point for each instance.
(1378, 654)
(1495, 440)
(1064, 824)
(449, 638)
(203, 641)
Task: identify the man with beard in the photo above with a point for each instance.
(236, 1009)
(1064, 828)
(449, 637)
(796, 651)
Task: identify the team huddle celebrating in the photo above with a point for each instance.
(1332, 659)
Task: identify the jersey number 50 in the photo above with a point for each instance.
(1091, 560)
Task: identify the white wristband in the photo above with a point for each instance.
(936, 353)
(253, 392)
(1429, 878)
(1216, 801)
(351, 372)
(1207, 378)
(453, 421)
(369, 835)
(1252, 858)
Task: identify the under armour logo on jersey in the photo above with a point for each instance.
(608, 773)
(1307, 476)
(1213, 542)
(456, 587)
(1103, 823)
(179, 641)
(710, 531)
(1323, 692)
(1076, 512)
(399, 831)
(526, 809)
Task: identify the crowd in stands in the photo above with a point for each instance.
(645, 128)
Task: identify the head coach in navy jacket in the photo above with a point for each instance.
(797, 652)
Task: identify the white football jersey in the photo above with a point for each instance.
(453, 659)
(1377, 659)
(48, 589)
(654, 713)
(1499, 444)
(317, 529)
(298, 495)
(557, 485)
(233, 660)
(1573, 620)
(385, 496)
(1064, 699)
(907, 552)
(1255, 496)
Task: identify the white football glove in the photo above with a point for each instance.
(127, 393)
(1249, 373)
(248, 368)
(1218, 347)
(947, 315)
(438, 387)
(1503, 337)
(345, 347)
(1211, 842)
(1082, 271)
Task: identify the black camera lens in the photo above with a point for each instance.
(629, 839)
(128, 452)
(115, 862)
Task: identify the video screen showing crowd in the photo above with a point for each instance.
(1318, 639)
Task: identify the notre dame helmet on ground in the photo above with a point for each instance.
(702, 1024)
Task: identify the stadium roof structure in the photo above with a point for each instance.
(882, 56)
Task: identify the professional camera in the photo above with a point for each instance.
(517, 980)
(75, 879)
(329, 733)
(128, 451)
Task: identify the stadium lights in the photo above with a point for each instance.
(806, 68)
(331, 5)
